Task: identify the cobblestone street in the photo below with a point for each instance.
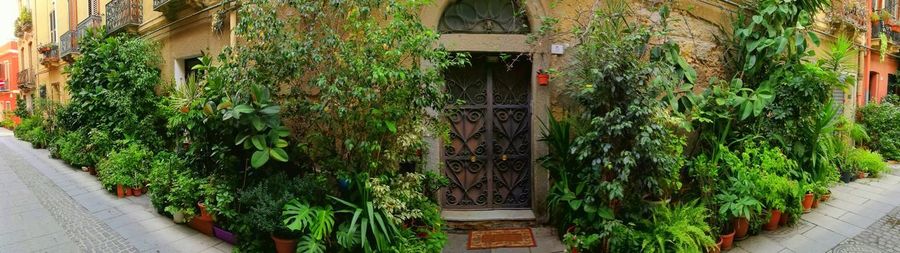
(47, 206)
(862, 216)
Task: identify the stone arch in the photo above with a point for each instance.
(432, 14)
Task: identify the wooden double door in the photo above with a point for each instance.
(488, 156)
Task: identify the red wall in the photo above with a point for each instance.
(9, 52)
(878, 78)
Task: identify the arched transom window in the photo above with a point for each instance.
(484, 16)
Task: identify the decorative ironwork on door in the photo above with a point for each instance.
(488, 158)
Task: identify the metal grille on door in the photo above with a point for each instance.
(488, 158)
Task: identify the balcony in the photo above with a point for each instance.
(50, 57)
(123, 15)
(878, 28)
(26, 80)
(67, 45)
(166, 5)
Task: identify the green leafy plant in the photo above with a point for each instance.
(71, 149)
(126, 167)
(260, 216)
(117, 99)
(317, 221)
(733, 206)
(631, 132)
(369, 228)
(681, 228)
(880, 121)
(868, 161)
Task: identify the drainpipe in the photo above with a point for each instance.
(860, 90)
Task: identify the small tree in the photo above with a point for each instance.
(631, 144)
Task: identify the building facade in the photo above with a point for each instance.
(491, 160)
(9, 89)
(180, 27)
(880, 77)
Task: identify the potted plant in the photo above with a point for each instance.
(738, 210)
(265, 201)
(776, 190)
(182, 196)
(543, 78)
(45, 48)
(314, 221)
(809, 188)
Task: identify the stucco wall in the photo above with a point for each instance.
(878, 86)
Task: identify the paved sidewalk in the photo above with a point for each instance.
(47, 206)
(855, 219)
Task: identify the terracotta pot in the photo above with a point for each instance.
(825, 197)
(120, 191)
(128, 191)
(727, 241)
(137, 192)
(774, 218)
(284, 245)
(815, 203)
(785, 217)
(717, 248)
(543, 79)
(202, 224)
(861, 174)
(741, 225)
(92, 171)
(807, 202)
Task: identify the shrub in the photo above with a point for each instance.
(880, 121)
(163, 176)
(71, 148)
(867, 161)
(263, 203)
(126, 167)
(26, 126)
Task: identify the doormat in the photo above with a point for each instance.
(501, 238)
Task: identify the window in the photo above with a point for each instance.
(184, 68)
(92, 8)
(8, 106)
(53, 26)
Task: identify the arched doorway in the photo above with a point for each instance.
(489, 159)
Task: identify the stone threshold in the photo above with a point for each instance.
(488, 215)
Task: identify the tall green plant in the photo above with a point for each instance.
(632, 132)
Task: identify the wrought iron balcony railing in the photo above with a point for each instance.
(26, 79)
(51, 58)
(879, 27)
(123, 15)
(91, 21)
(67, 44)
(164, 5)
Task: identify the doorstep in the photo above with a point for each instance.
(488, 215)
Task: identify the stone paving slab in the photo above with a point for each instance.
(862, 216)
(47, 206)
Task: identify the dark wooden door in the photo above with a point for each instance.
(488, 157)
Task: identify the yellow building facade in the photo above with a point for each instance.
(181, 28)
